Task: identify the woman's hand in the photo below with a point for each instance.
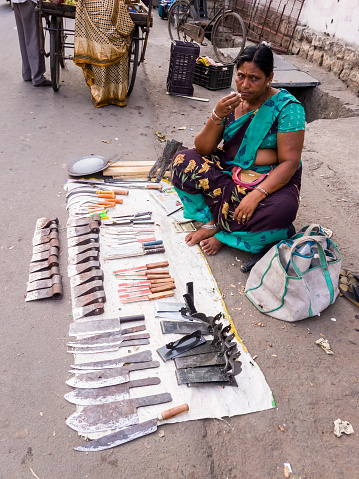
(227, 104)
(247, 206)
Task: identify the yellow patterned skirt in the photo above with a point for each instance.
(102, 41)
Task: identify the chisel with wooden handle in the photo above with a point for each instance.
(132, 432)
(149, 297)
(161, 264)
(133, 293)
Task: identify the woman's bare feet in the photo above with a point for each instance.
(211, 246)
(196, 237)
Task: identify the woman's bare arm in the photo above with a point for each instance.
(209, 138)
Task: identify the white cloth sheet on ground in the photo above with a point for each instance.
(185, 264)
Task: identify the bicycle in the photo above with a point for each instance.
(226, 30)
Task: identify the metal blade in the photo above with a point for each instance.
(93, 327)
(119, 437)
(108, 377)
(207, 359)
(108, 347)
(207, 374)
(104, 417)
(162, 307)
(110, 339)
(87, 397)
(118, 362)
(183, 327)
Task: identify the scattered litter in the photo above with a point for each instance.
(281, 428)
(116, 139)
(182, 128)
(341, 427)
(255, 357)
(161, 433)
(332, 319)
(41, 413)
(32, 472)
(274, 355)
(287, 469)
(324, 344)
(233, 285)
(11, 247)
(238, 259)
(191, 129)
(161, 137)
(106, 141)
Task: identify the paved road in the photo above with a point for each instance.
(42, 131)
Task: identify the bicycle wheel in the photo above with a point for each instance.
(133, 55)
(55, 53)
(181, 18)
(228, 37)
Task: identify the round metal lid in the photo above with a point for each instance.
(87, 165)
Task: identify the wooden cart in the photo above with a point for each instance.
(54, 24)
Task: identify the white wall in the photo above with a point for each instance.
(339, 18)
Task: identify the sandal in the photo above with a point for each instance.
(349, 285)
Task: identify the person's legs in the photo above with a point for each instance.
(32, 42)
(26, 70)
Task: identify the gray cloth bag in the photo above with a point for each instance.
(294, 295)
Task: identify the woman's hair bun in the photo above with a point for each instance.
(266, 44)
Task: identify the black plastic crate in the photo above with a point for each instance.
(212, 77)
(182, 67)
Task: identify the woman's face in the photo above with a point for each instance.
(251, 82)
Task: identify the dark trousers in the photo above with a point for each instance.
(27, 23)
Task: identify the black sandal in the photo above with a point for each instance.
(349, 285)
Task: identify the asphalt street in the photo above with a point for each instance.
(40, 133)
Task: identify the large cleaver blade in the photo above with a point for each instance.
(115, 363)
(132, 432)
(108, 377)
(90, 396)
(115, 415)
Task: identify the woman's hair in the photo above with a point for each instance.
(261, 55)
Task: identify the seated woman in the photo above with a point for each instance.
(101, 45)
(263, 132)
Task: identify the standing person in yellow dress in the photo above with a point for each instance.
(102, 41)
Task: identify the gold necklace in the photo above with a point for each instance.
(266, 98)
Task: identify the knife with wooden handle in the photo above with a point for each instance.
(132, 432)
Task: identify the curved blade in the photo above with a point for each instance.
(119, 437)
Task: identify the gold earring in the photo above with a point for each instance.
(268, 84)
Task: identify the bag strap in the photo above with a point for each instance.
(323, 261)
(311, 228)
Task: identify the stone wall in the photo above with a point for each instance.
(330, 54)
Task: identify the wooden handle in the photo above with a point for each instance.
(110, 194)
(159, 272)
(162, 280)
(157, 276)
(108, 202)
(154, 187)
(121, 192)
(161, 264)
(118, 201)
(166, 294)
(163, 287)
(173, 412)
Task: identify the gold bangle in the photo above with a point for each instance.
(218, 124)
(262, 190)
